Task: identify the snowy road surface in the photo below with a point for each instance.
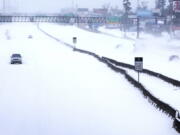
(60, 92)
(156, 51)
(164, 91)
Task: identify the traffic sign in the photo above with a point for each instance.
(74, 40)
(138, 63)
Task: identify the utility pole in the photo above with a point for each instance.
(138, 30)
(4, 6)
(127, 8)
(138, 4)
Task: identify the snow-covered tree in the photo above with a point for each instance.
(127, 6)
(160, 4)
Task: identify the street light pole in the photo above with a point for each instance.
(138, 4)
(138, 30)
(4, 6)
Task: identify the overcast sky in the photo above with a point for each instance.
(57, 5)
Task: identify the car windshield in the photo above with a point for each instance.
(16, 55)
(89, 67)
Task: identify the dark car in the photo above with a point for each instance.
(16, 59)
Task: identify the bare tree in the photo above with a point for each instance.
(106, 6)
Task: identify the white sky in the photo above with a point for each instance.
(56, 5)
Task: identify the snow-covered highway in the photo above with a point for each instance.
(57, 91)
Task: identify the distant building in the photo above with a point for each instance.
(176, 16)
(176, 6)
(82, 11)
(144, 13)
(157, 12)
(68, 11)
(116, 12)
(100, 11)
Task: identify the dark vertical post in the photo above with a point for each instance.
(138, 65)
(4, 6)
(137, 27)
(74, 42)
(156, 20)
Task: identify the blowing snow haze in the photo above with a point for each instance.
(51, 6)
